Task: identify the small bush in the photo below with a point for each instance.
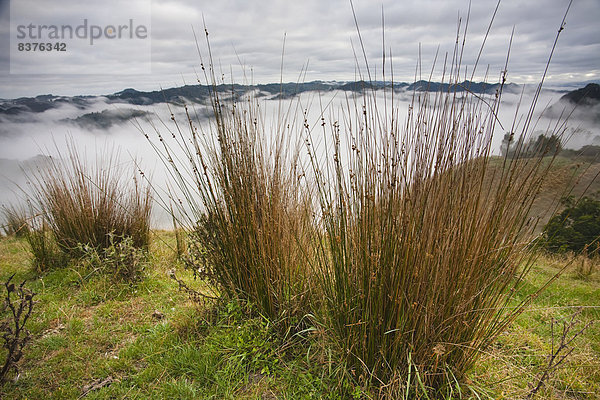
(415, 235)
(423, 236)
(536, 146)
(576, 229)
(122, 260)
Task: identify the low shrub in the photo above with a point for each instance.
(121, 260)
(413, 235)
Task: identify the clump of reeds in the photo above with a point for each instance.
(89, 204)
(15, 221)
(410, 234)
(424, 235)
(241, 204)
(47, 254)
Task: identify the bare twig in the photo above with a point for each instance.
(559, 353)
(14, 333)
(195, 296)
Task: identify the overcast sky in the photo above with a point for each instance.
(320, 39)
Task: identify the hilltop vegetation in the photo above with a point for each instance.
(356, 254)
(113, 340)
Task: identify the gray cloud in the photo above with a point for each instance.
(323, 35)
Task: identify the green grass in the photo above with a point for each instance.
(520, 353)
(86, 330)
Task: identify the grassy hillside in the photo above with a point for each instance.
(95, 338)
(569, 174)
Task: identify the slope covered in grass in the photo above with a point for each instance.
(569, 175)
(110, 340)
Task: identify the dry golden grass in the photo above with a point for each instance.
(406, 240)
(90, 204)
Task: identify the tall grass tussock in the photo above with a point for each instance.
(14, 220)
(46, 252)
(242, 204)
(402, 239)
(77, 204)
(421, 241)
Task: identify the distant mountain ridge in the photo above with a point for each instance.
(101, 112)
(105, 118)
(200, 93)
(581, 104)
(588, 95)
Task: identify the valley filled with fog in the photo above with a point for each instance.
(99, 124)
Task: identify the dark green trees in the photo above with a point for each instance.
(576, 228)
